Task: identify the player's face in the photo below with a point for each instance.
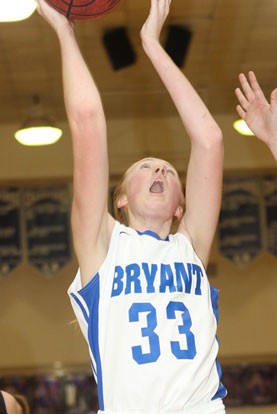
(153, 187)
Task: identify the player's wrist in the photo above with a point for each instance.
(65, 29)
(273, 147)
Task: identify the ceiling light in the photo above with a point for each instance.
(38, 130)
(241, 127)
(40, 135)
(14, 10)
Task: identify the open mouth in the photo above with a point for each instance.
(157, 187)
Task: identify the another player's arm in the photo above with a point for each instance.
(204, 174)
(91, 224)
(11, 404)
(258, 113)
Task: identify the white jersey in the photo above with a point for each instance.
(150, 317)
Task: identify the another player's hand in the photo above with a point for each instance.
(257, 112)
(52, 16)
(153, 25)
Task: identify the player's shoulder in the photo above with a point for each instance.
(11, 404)
(181, 237)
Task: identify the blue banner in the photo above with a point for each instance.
(48, 228)
(270, 206)
(239, 227)
(10, 234)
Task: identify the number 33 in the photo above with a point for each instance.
(149, 331)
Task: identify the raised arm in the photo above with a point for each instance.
(204, 172)
(257, 112)
(91, 224)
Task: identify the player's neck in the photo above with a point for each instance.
(161, 228)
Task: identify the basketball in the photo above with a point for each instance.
(79, 10)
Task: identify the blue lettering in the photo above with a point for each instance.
(197, 269)
(117, 281)
(150, 276)
(166, 278)
(171, 279)
(132, 276)
(182, 274)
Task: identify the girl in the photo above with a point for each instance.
(141, 296)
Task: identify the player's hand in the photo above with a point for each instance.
(257, 112)
(52, 16)
(153, 25)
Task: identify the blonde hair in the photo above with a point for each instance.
(121, 213)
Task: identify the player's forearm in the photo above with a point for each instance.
(81, 95)
(196, 118)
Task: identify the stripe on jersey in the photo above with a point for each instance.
(221, 391)
(90, 294)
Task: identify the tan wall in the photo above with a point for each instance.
(35, 312)
(247, 308)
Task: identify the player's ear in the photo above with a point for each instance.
(122, 201)
(179, 212)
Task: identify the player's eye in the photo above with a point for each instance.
(145, 166)
(169, 170)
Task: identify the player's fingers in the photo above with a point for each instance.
(241, 98)
(246, 87)
(273, 99)
(241, 112)
(256, 86)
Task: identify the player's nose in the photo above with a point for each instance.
(160, 169)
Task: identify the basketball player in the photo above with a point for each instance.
(13, 404)
(257, 112)
(141, 295)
